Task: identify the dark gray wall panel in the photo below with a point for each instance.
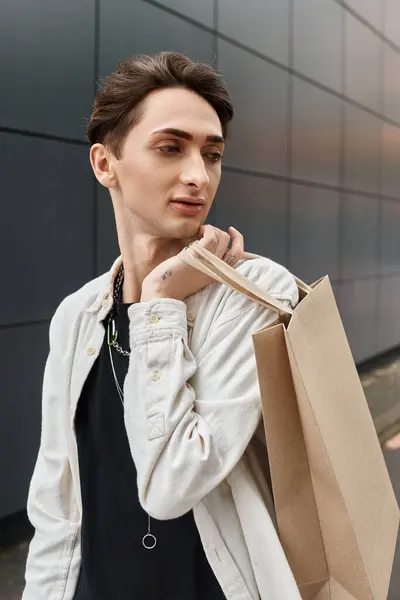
(390, 237)
(240, 198)
(392, 84)
(370, 10)
(389, 322)
(318, 31)
(20, 402)
(363, 134)
(314, 233)
(362, 71)
(46, 231)
(336, 291)
(392, 20)
(316, 133)
(107, 242)
(129, 27)
(199, 11)
(262, 25)
(391, 154)
(358, 311)
(359, 237)
(47, 65)
(259, 90)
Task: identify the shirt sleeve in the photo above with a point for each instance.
(54, 551)
(189, 421)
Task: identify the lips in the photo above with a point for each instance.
(188, 206)
(189, 201)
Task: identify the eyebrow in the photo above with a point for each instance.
(215, 139)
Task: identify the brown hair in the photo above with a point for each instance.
(117, 107)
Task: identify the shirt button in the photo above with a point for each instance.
(154, 318)
(156, 376)
(191, 317)
(91, 350)
(105, 302)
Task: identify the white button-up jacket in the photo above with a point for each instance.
(192, 409)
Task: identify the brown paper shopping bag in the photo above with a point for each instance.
(336, 511)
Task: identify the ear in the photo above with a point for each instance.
(102, 161)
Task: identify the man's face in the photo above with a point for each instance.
(170, 164)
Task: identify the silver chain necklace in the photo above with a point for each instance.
(112, 333)
(149, 541)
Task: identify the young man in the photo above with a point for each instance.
(147, 483)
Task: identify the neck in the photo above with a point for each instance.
(140, 257)
(141, 252)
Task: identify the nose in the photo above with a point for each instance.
(194, 172)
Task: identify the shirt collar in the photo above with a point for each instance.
(104, 300)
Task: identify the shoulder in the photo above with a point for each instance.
(220, 304)
(271, 277)
(79, 301)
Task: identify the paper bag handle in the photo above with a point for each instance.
(300, 284)
(209, 264)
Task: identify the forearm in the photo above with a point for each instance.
(162, 426)
(185, 441)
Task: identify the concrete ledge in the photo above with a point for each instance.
(380, 378)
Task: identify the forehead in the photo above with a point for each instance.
(179, 108)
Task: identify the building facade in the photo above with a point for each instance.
(311, 173)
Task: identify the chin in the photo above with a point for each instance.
(184, 230)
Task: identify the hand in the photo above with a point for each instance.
(175, 279)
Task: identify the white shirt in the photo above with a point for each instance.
(192, 412)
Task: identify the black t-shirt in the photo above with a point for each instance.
(115, 565)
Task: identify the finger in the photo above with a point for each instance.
(224, 240)
(209, 239)
(214, 240)
(235, 253)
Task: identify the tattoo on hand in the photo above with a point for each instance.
(166, 274)
(230, 259)
(215, 240)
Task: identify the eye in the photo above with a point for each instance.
(169, 149)
(214, 156)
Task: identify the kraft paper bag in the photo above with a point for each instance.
(335, 506)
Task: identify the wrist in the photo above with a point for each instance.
(152, 292)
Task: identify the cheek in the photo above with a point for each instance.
(215, 178)
(134, 175)
(142, 182)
